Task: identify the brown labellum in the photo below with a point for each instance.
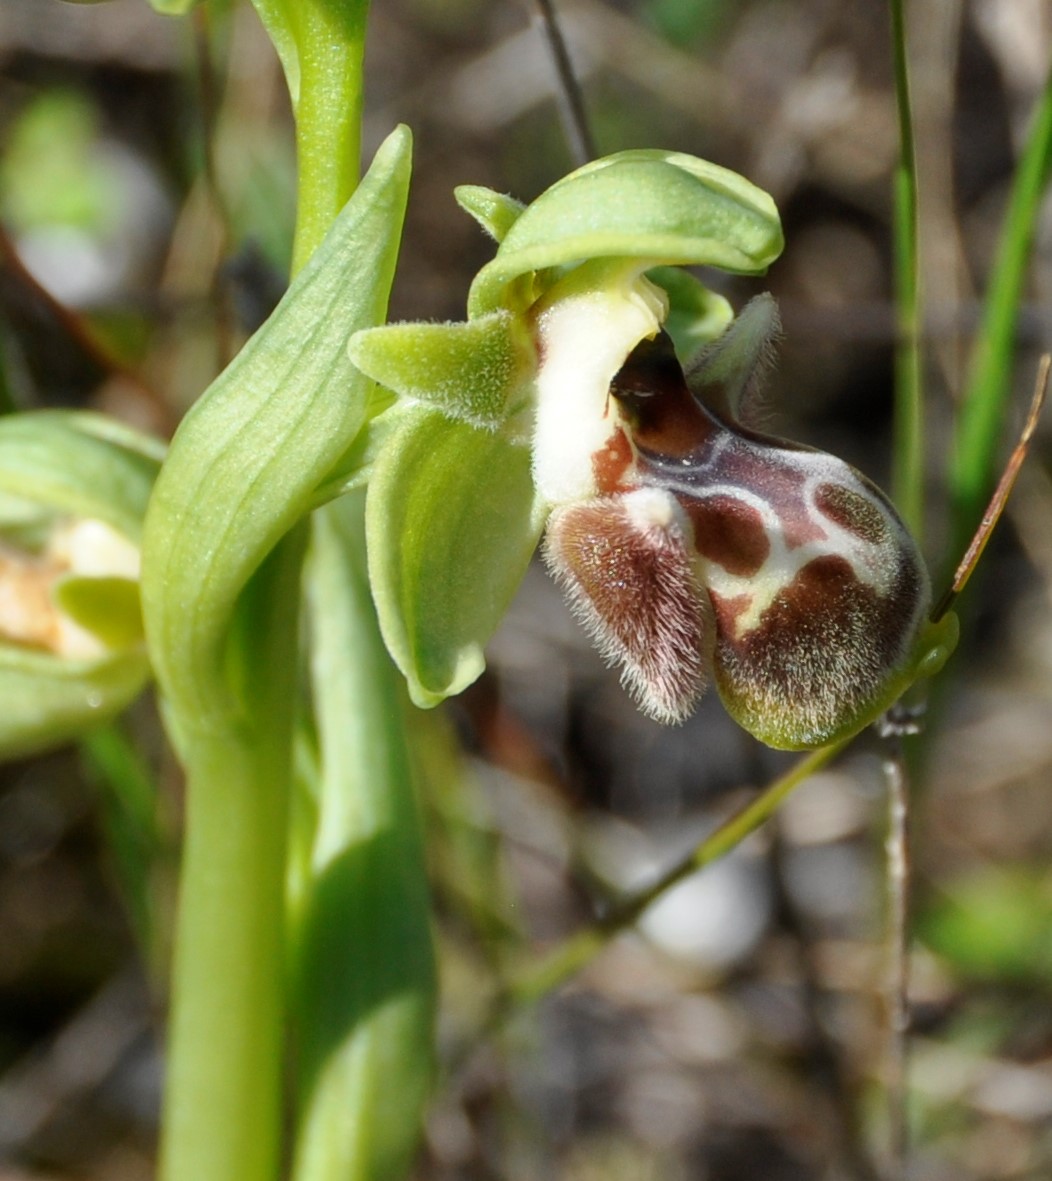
(813, 588)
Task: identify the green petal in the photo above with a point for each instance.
(451, 523)
(696, 315)
(495, 212)
(109, 608)
(660, 207)
(468, 371)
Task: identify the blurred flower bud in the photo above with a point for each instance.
(73, 490)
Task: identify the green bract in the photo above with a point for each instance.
(456, 500)
(247, 459)
(73, 493)
(362, 977)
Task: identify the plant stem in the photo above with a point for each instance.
(331, 40)
(908, 474)
(223, 1101)
(908, 486)
(577, 951)
(224, 1110)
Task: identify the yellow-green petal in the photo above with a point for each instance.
(471, 371)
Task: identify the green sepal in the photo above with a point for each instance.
(109, 608)
(451, 522)
(247, 460)
(495, 212)
(696, 315)
(469, 371)
(78, 465)
(656, 206)
(49, 699)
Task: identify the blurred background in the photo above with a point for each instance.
(146, 204)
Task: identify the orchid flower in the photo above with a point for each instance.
(596, 391)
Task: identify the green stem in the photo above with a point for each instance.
(224, 1109)
(908, 474)
(331, 40)
(224, 1112)
(223, 1101)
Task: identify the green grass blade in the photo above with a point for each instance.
(908, 466)
(979, 429)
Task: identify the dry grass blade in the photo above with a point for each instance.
(1001, 493)
(571, 102)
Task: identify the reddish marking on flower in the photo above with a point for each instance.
(820, 651)
(812, 644)
(772, 473)
(612, 461)
(726, 610)
(728, 532)
(853, 512)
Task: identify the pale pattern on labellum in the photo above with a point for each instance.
(813, 588)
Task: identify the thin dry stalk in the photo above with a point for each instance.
(898, 979)
(571, 102)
